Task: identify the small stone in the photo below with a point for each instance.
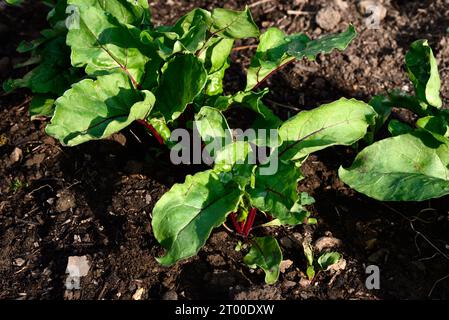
(148, 198)
(138, 294)
(170, 295)
(289, 284)
(19, 262)
(285, 265)
(372, 8)
(304, 283)
(327, 243)
(16, 155)
(65, 202)
(78, 266)
(328, 18)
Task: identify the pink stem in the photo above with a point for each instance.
(236, 223)
(152, 130)
(249, 222)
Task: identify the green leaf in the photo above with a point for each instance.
(328, 259)
(234, 24)
(103, 44)
(161, 127)
(422, 68)
(396, 128)
(95, 109)
(434, 124)
(188, 35)
(276, 194)
(14, 2)
(53, 74)
(184, 217)
(265, 118)
(277, 49)
(265, 253)
(42, 106)
(133, 12)
(216, 61)
(401, 99)
(409, 167)
(182, 80)
(310, 272)
(298, 213)
(383, 107)
(213, 129)
(342, 122)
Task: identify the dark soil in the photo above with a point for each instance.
(96, 200)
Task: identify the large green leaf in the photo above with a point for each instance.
(266, 254)
(183, 78)
(422, 68)
(184, 217)
(409, 167)
(342, 122)
(103, 44)
(277, 49)
(95, 109)
(234, 24)
(276, 194)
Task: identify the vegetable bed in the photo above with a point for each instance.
(61, 197)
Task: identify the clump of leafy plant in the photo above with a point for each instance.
(413, 164)
(134, 71)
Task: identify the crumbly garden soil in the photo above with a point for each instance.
(96, 199)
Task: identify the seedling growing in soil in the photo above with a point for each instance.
(413, 164)
(131, 71)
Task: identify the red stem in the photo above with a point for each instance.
(249, 222)
(152, 130)
(235, 223)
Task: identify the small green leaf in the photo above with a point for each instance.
(42, 106)
(310, 272)
(342, 122)
(95, 109)
(277, 49)
(265, 253)
(213, 129)
(183, 78)
(184, 217)
(409, 167)
(328, 259)
(423, 71)
(396, 128)
(234, 24)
